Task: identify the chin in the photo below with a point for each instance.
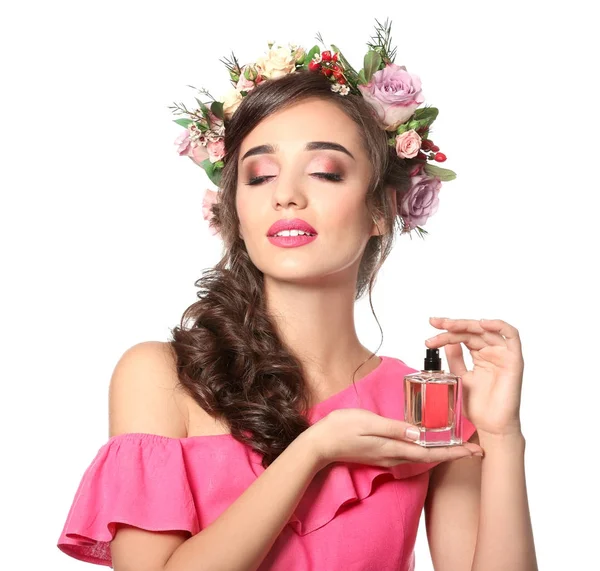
(298, 273)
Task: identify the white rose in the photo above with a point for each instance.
(278, 61)
(231, 102)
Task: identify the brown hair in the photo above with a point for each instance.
(230, 358)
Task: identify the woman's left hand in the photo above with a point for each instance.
(492, 390)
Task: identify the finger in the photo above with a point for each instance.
(454, 356)
(392, 428)
(469, 326)
(473, 342)
(510, 333)
(444, 453)
(416, 453)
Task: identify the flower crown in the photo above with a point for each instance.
(393, 93)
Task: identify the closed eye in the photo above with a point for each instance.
(330, 176)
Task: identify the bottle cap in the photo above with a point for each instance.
(433, 361)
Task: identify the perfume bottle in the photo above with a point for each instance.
(432, 402)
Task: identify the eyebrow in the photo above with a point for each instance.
(313, 146)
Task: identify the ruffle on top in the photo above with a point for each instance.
(166, 484)
(341, 484)
(135, 479)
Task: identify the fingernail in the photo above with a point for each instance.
(412, 433)
(438, 318)
(480, 454)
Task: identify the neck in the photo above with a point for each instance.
(316, 322)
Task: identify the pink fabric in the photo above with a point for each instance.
(352, 516)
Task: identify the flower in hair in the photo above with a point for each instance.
(393, 93)
(210, 198)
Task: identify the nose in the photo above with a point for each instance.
(288, 191)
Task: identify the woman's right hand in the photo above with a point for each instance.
(361, 436)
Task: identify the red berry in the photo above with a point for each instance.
(326, 56)
(421, 155)
(335, 56)
(313, 65)
(341, 80)
(336, 67)
(440, 157)
(337, 73)
(426, 144)
(327, 71)
(435, 148)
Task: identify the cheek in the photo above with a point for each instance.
(251, 214)
(350, 214)
(245, 207)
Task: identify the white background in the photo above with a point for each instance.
(102, 234)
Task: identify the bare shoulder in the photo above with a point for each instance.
(145, 394)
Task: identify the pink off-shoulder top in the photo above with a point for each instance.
(352, 517)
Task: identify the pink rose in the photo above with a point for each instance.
(198, 153)
(210, 198)
(408, 144)
(421, 201)
(247, 83)
(244, 84)
(183, 143)
(216, 150)
(190, 144)
(394, 93)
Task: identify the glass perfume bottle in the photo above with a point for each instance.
(433, 403)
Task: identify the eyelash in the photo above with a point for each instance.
(329, 176)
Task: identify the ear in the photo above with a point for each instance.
(379, 227)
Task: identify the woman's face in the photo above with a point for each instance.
(305, 163)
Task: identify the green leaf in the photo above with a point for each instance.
(314, 50)
(344, 60)
(361, 77)
(203, 108)
(183, 122)
(402, 128)
(216, 177)
(217, 109)
(426, 114)
(212, 170)
(443, 174)
(371, 64)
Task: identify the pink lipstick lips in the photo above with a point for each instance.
(291, 233)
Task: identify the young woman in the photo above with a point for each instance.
(264, 435)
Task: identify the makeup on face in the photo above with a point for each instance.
(323, 167)
(291, 233)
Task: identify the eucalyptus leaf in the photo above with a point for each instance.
(183, 122)
(441, 173)
(344, 60)
(203, 108)
(361, 77)
(217, 109)
(371, 64)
